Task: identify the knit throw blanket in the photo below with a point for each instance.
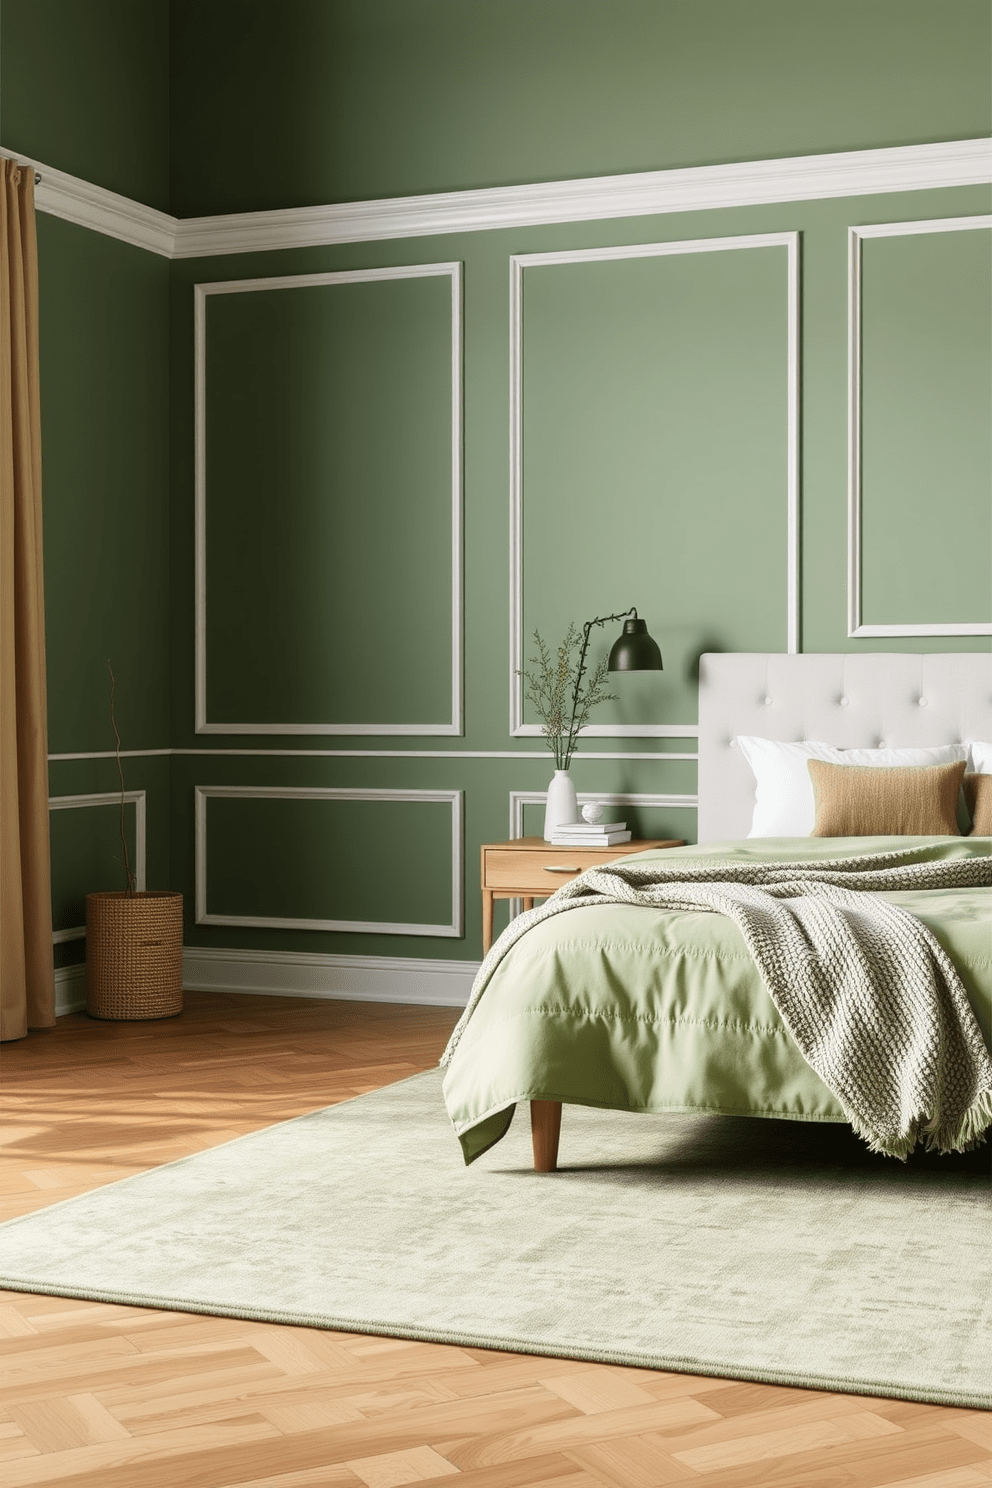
(870, 996)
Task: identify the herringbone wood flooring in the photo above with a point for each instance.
(114, 1397)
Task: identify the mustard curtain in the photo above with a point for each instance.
(27, 977)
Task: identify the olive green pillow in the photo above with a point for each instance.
(978, 795)
(891, 801)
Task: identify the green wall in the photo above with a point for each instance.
(84, 87)
(205, 106)
(283, 103)
(654, 470)
(105, 432)
(653, 417)
(354, 380)
(104, 343)
(654, 439)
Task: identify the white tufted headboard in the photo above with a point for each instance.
(853, 701)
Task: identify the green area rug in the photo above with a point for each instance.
(750, 1249)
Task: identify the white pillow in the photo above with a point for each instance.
(979, 758)
(784, 805)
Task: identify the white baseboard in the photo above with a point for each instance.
(70, 989)
(289, 974)
(355, 978)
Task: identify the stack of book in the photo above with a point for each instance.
(591, 834)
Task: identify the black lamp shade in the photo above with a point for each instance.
(635, 651)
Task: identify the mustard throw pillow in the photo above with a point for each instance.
(978, 795)
(896, 801)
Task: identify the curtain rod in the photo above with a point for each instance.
(9, 155)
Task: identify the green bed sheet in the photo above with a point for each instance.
(639, 1009)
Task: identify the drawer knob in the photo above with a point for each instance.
(549, 868)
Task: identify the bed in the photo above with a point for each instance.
(644, 1009)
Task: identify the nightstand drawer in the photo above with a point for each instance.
(540, 872)
(529, 868)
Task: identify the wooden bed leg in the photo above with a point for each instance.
(545, 1129)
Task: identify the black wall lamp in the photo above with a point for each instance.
(633, 651)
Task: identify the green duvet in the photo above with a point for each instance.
(639, 1009)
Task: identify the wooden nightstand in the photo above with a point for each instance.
(530, 868)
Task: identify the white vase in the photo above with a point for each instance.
(562, 809)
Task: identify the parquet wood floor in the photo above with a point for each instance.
(113, 1397)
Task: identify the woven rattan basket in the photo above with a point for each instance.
(134, 955)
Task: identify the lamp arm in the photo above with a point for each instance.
(586, 629)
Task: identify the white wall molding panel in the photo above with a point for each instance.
(139, 800)
(856, 627)
(519, 263)
(520, 799)
(453, 929)
(304, 753)
(202, 294)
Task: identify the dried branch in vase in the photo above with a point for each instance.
(554, 686)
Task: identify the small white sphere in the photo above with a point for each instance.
(592, 812)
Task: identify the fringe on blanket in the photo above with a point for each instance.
(935, 1135)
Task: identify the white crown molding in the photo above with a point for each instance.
(855, 236)
(518, 263)
(452, 799)
(645, 193)
(452, 271)
(400, 979)
(75, 200)
(139, 800)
